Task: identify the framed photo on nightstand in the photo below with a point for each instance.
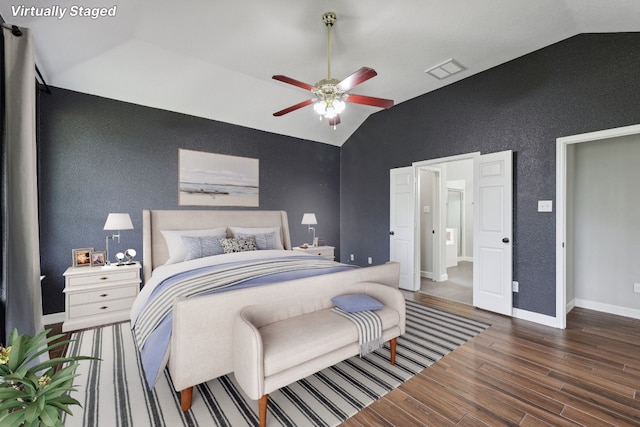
(82, 257)
(98, 258)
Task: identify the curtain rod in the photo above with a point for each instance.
(15, 30)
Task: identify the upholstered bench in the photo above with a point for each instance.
(278, 344)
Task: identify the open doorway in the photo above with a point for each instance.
(597, 205)
(445, 229)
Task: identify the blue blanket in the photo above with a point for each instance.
(152, 327)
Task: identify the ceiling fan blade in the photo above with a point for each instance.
(360, 76)
(294, 107)
(294, 82)
(334, 121)
(369, 100)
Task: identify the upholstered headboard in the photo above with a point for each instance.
(155, 252)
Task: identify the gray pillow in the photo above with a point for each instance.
(238, 245)
(200, 247)
(263, 241)
(352, 303)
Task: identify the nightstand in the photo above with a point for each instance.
(323, 251)
(96, 296)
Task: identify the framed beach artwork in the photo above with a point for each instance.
(209, 179)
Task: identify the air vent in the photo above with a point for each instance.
(446, 69)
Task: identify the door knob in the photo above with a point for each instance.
(505, 240)
(391, 233)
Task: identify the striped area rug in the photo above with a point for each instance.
(113, 391)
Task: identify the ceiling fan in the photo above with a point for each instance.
(331, 94)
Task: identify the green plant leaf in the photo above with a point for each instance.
(15, 358)
(9, 393)
(49, 416)
(12, 419)
(10, 404)
(13, 336)
(55, 362)
(32, 411)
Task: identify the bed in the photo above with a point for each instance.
(199, 335)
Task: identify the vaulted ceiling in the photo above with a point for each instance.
(215, 59)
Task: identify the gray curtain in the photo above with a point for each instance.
(21, 292)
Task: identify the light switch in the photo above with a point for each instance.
(426, 209)
(545, 205)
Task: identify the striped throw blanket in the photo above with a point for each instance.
(369, 329)
(152, 327)
(211, 280)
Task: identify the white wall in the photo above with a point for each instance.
(606, 222)
(463, 170)
(426, 221)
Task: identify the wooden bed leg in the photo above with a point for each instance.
(392, 347)
(262, 410)
(185, 398)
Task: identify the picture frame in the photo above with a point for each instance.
(210, 179)
(81, 257)
(98, 258)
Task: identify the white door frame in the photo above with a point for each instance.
(435, 226)
(437, 269)
(561, 208)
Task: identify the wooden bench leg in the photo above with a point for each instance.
(185, 398)
(262, 410)
(392, 348)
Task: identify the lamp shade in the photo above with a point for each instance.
(118, 221)
(309, 219)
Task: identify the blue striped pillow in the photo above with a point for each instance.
(200, 247)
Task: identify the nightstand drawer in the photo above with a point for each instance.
(107, 276)
(325, 252)
(103, 295)
(101, 307)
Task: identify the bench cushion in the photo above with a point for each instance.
(290, 342)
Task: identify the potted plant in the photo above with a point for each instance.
(32, 393)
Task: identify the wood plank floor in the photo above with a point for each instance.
(521, 373)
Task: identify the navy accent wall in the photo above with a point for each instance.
(586, 83)
(99, 156)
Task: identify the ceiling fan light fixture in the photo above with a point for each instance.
(320, 107)
(331, 94)
(331, 113)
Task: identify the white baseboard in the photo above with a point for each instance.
(426, 274)
(570, 306)
(465, 258)
(608, 308)
(542, 319)
(50, 319)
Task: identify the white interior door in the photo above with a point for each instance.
(402, 225)
(492, 239)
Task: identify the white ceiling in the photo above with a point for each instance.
(215, 59)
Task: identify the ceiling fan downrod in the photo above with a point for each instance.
(329, 19)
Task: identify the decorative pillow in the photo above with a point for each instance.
(252, 231)
(175, 245)
(238, 245)
(200, 247)
(352, 303)
(263, 241)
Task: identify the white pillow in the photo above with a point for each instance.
(177, 248)
(259, 230)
